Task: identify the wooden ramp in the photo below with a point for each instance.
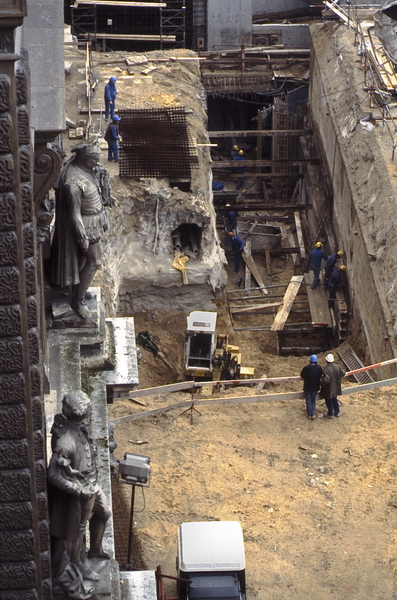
(318, 303)
(285, 308)
(249, 261)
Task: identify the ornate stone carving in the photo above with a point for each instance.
(13, 455)
(5, 133)
(39, 445)
(47, 164)
(15, 516)
(9, 285)
(26, 192)
(15, 486)
(12, 389)
(25, 163)
(30, 276)
(18, 595)
(16, 546)
(37, 413)
(35, 381)
(8, 249)
(5, 93)
(28, 240)
(22, 87)
(18, 576)
(32, 311)
(41, 472)
(11, 351)
(10, 321)
(34, 353)
(7, 179)
(6, 41)
(23, 126)
(42, 506)
(44, 539)
(12, 422)
(7, 211)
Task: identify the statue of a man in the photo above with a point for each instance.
(82, 192)
(75, 499)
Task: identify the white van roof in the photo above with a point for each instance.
(211, 546)
(202, 321)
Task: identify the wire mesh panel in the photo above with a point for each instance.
(156, 143)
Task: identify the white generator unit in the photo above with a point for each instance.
(200, 342)
(211, 558)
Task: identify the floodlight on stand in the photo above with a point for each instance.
(135, 469)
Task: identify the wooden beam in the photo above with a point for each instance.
(289, 297)
(119, 4)
(247, 251)
(258, 133)
(299, 235)
(249, 261)
(130, 36)
(256, 307)
(264, 163)
(318, 303)
(258, 206)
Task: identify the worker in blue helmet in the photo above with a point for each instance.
(112, 137)
(110, 97)
(311, 375)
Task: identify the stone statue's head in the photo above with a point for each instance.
(76, 404)
(88, 152)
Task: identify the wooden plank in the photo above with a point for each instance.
(119, 4)
(259, 133)
(291, 241)
(299, 235)
(216, 164)
(252, 399)
(131, 36)
(249, 261)
(162, 389)
(256, 307)
(247, 251)
(289, 297)
(318, 303)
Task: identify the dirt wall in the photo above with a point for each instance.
(364, 192)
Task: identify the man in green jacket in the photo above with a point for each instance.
(331, 386)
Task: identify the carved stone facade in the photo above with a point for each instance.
(24, 539)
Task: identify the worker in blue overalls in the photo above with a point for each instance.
(110, 97)
(237, 250)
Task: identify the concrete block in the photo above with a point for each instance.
(138, 585)
(227, 27)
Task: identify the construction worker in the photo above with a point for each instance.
(331, 386)
(316, 259)
(234, 152)
(230, 221)
(329, 266)
(112, 137)
(311, 375)
(237, 250)
(334, 281)
(240, 170)
(110, 97)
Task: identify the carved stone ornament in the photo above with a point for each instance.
(5, 133)
(5, 93)
(47, 163)
(6, 40)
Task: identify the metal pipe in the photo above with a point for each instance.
(176, 240)
(193, 241)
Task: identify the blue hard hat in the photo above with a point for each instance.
(112, 80)
(116, 118)
(313, 358)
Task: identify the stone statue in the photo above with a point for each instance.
(75, 499)
(82, 192)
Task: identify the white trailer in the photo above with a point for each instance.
(211, 558)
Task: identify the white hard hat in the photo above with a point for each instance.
(330, 358)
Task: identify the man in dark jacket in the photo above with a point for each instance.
(316, 258)
(311, 375)
(329, 266)
(237, 250)
(110, 97)
(331, 386)
(334, 281)
(112, 137)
